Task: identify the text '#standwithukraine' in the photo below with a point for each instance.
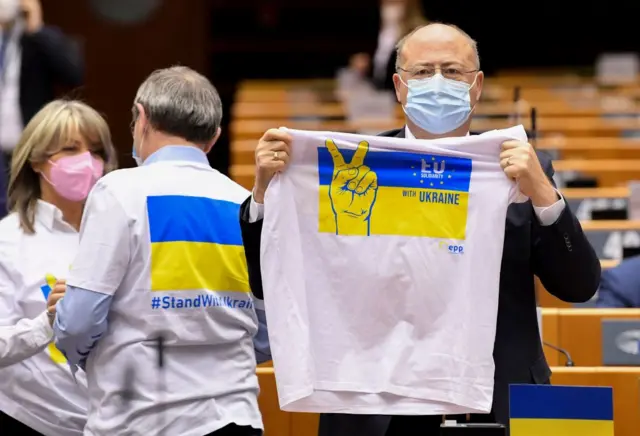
(367, 193)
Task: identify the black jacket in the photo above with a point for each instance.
(49, 59)
(559, 255)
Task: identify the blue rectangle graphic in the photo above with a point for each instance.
(405, 170)
(560, 402)
(175, 218)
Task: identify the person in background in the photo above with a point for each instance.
(161, 257)
(34, 59)
(63, 151)
(620, 286)
(439, 82)
(397, 18)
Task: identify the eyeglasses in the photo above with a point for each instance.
(424, 72)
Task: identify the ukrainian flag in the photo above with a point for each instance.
(417, 194)
(545, 410)
(196, 244)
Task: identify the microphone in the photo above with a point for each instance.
(534, 124)
(562, 351)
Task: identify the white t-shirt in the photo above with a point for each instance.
(38, 391)
(164, 240)
(381, 272)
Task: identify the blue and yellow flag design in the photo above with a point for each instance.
(366, 193)
(50, 283)
(540, 410)
(196, 244)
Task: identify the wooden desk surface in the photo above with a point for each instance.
(606, 192)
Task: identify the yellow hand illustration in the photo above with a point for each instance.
(353, 190)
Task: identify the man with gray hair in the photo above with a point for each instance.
(158, 309)
(438, 82)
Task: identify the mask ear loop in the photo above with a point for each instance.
(473, 108)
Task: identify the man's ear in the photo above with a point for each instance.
(209, 145)
(479, 83)
(397, 83)
(143, 119)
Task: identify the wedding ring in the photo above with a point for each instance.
(275, 155)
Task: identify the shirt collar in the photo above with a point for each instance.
(409, 135)
(173, 153)
(47, 214)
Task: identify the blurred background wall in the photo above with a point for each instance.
(230, 40)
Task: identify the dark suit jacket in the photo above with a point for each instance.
(620, 286)
(49, 59)
(559, 255)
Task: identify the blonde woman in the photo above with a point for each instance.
(63, 151)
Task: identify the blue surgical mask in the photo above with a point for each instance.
(437, 104)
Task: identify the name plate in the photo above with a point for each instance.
(621, 342)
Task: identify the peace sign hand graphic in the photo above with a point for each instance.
(353, 190)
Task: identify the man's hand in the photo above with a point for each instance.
(520, 163)
(272, 156)
(353, 190)
(33, 14)
(55, 295)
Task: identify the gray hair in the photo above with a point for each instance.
(403, 41)
(180, 102)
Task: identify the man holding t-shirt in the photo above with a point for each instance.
(436, 64)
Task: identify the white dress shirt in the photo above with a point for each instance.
(37, 389)
(23, 340)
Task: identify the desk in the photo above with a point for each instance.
(625, 383)
(608, 237)
(590, 147)
(579, 332)
(582, 201)
(608, 172)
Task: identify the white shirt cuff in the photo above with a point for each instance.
(256, 211)
(550, 214)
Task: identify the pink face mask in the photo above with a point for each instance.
(74, 176)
